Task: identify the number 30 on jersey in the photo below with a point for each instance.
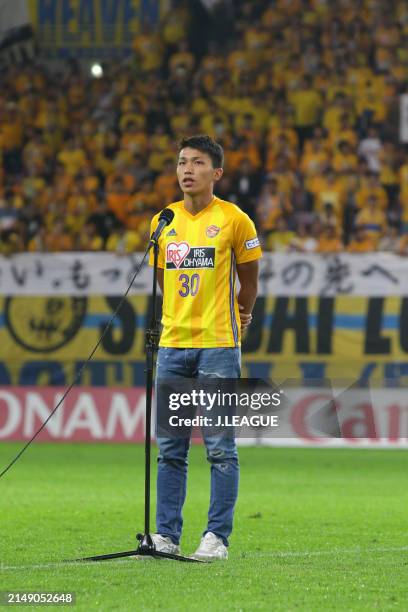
(189, 284)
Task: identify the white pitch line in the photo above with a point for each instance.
(278, 553)
(67, 564)
(318, 553)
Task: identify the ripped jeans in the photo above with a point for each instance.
(221, 450)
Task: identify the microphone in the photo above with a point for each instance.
(166, 217)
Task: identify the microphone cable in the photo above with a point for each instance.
(109, 323)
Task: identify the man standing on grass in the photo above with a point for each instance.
(208, 241)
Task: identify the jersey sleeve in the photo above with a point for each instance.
(245, 240)
(154, 223)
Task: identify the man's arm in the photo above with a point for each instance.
(248, 278)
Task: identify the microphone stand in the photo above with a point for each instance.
(146, 546)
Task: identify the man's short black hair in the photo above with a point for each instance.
(205, 144)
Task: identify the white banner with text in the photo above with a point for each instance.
(283, 274)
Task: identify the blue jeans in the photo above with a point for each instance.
(221, 450)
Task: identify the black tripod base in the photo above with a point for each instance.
(145, 549)
(118, 555)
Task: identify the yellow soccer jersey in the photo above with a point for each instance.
(198, 254)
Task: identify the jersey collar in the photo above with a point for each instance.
(198, 215)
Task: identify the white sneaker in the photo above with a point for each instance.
(165, 544)
(211, 548)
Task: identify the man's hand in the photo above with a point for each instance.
(245, 317)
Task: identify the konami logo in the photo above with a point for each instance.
(87, 414)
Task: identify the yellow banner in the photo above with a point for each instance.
(93, 23)
(45, 340)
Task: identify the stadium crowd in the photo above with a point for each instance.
(302, 94)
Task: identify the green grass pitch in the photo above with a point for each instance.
(314, 530)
